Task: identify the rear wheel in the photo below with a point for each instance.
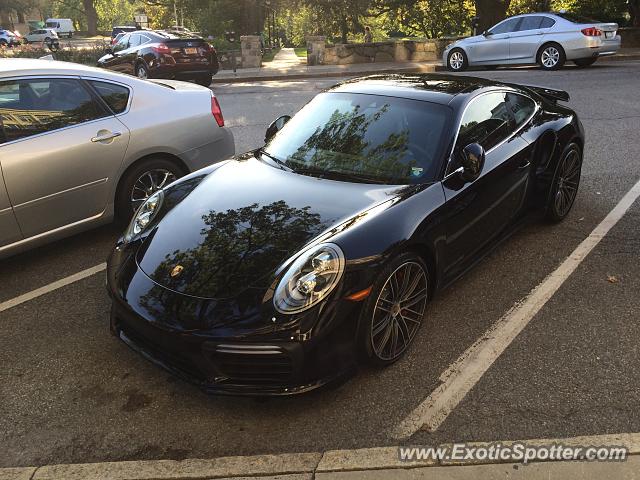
(585, 62)
(565, 184)
(551, 56)
(394, 310)
(142, 181)
(457, 60)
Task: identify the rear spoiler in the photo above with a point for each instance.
(550, 93)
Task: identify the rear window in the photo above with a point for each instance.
(115, 96)
(575, 18)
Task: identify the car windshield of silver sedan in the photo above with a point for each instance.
(364, 138)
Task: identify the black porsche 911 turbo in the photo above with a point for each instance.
(280, 270)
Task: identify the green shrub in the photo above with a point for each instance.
(83, 55)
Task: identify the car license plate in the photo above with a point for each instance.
(608, 34)
(191, 51)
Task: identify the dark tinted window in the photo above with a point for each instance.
(364, 138)
(507, 26)
(116, 96)
(530, 23)
(520, 107)
(486, 121)
(547, 22)
(123, 43)
(30, 107)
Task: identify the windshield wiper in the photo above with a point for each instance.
(336, 175)
(283, 165)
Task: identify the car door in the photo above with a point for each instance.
(9, 229)
(479, 211)
(493, 45)
(61, 152)
(524, 44)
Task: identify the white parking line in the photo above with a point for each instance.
(467, 370)
(52, 286)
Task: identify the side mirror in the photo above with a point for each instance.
(275, 127)
(487, 33)
(473, 156)
(108, 51)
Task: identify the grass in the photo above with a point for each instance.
(301, 52)
(268, 56)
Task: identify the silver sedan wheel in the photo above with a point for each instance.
(399, 311)
(550, 57)
(141, 72)
(456, 60)
(148, 183)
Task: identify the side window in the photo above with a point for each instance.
(547, 22)
(521, 108)
(31, 107)
(144, 40)
(116, 96)
(134, 40)
(507, 26)
(486, 121)
(530, 23)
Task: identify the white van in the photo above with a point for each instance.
(62, 26)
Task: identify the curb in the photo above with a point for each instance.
(427, 68)
(297, 465)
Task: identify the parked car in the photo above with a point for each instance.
(181, 30)
(275, 272)
(157, 54)
(79, 144)
(7, 38)
(548, 39)
(46, 35)
(117, 38)
(62, 26)
(122, 29)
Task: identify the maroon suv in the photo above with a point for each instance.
(158, 54)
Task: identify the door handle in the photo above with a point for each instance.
(105, 137)
(524, 165)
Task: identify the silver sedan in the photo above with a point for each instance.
(80, 145)
(548, 39)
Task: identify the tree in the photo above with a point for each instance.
(490, 12)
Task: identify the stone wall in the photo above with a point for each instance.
(630, 37)
(376, 52)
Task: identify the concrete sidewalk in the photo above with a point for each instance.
(285, 67)
(360, 464)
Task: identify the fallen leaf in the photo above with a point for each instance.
(612, 279)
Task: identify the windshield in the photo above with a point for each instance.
(368, 138)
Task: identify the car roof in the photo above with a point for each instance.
(19, 67)
(435, 88)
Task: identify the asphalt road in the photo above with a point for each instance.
(69, 392)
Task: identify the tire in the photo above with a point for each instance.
(204, 80)
(142, 71)
(457, 60)
(383, 318)
(3, 42)
(585, 62)
(564, 188)
(47, 40)
(154, 166)
(551, 56)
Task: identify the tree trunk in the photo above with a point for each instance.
(344, 29)
(92, 16)
(5, 19)
(490, 12)
(634, 12)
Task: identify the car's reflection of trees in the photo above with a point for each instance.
(239, 251)
(341, 145)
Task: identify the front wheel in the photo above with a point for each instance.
(564, 188)
(457, 60)
(142, 71)
(551, 57)
(585, 62)
(394, 310)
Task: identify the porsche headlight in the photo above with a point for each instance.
(310, 279)
(144, 216)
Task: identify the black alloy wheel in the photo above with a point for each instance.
(565, 186)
